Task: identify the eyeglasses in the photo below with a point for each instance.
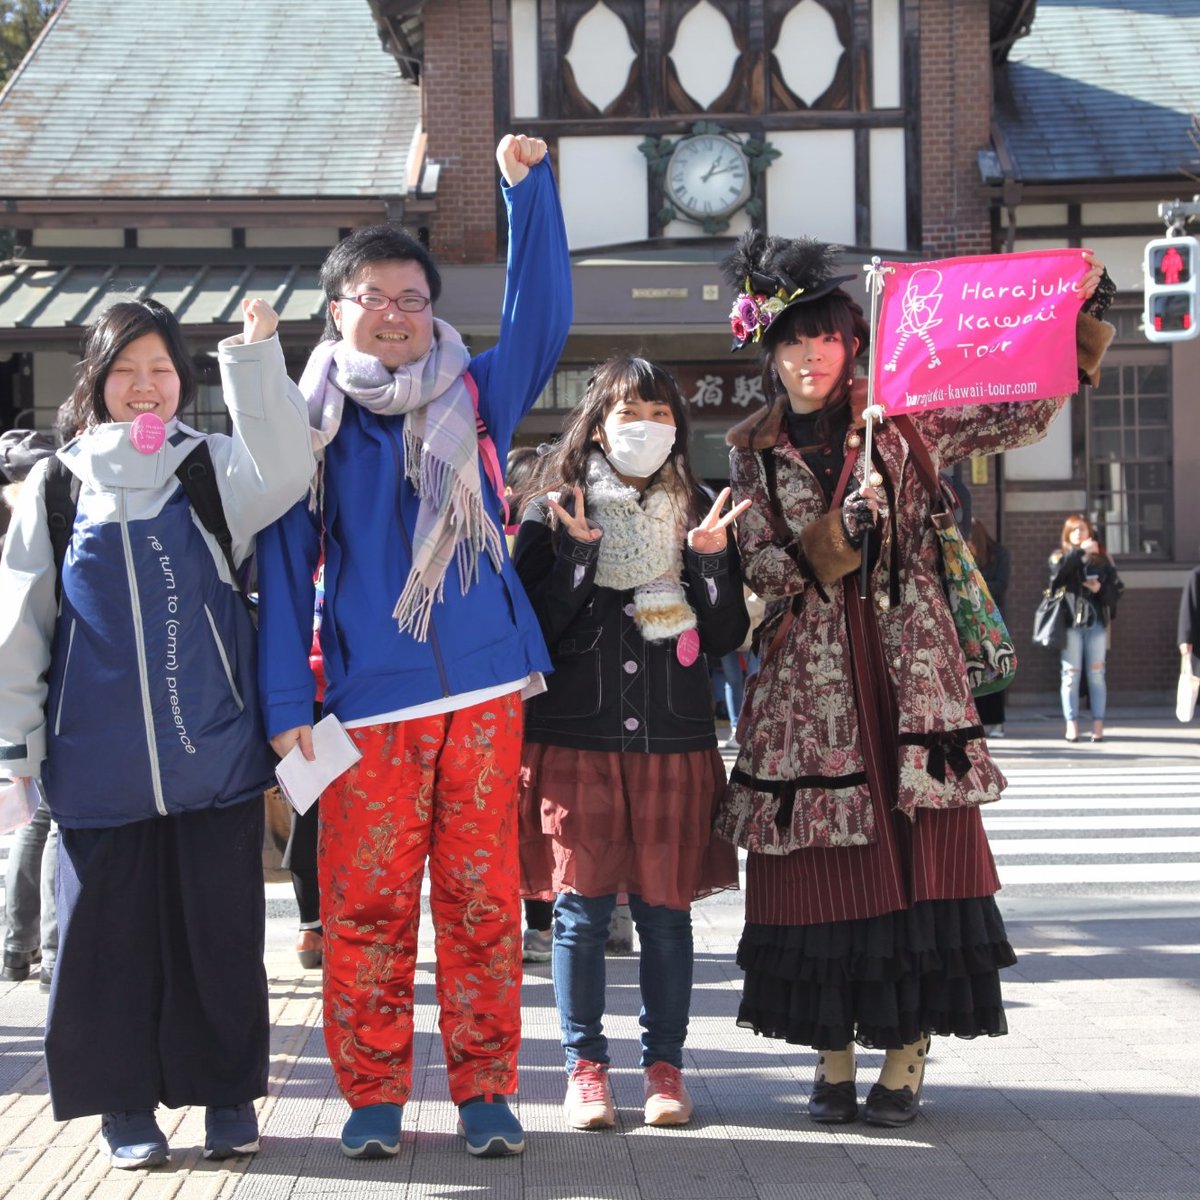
(378, 302)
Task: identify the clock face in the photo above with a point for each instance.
(707, 176)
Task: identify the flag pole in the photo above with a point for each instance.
(873, 412)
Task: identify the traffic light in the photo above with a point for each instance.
(1170, 267)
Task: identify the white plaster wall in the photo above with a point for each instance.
(604, 187)
(1045, 460)
(105, 239)
(269, 239)
(889, 210)
(810, 189)
(190, 239)
(524, 62)
(885, 53)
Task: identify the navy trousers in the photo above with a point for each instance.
(159, 993)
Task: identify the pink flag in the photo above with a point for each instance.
(984, 329)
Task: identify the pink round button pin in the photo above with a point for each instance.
(687, 649)
(147, 433)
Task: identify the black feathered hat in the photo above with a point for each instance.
(771, 274)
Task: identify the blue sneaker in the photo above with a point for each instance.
(133, 1139)
(230, 1131)
(373, 1131)
(490, 1127)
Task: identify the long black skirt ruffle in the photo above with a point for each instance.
(882, 981)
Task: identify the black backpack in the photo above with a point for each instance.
(199, 482)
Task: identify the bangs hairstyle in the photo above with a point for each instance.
(836, 312)
(122, 323)
(372, 244)
(1079, 521)
(619, 378)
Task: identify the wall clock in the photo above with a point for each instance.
(708, 175)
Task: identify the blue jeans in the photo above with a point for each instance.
(1086, 648)
(29, 889)
(664, 974)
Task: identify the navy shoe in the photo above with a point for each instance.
(490, 1127)
(230, 1131)
(133, 1139)
(373, 1131)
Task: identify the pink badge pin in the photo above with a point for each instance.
(687, 648)
(147, 433)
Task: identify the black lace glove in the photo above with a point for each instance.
(1097, 305)
(857, 518)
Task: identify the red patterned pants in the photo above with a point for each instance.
(442, 788)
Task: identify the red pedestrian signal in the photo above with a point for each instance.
(1169, 267)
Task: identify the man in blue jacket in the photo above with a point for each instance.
(429, 643)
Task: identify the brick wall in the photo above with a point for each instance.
(1143, 663)
(458, 112)
(956, 99)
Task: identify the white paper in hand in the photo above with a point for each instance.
(302, 781)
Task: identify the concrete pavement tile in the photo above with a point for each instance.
(934, 1184)
(1016, 1187)
(816, 1189)
(1062, 1100)
(1191, 1195)
(582, 1191)
(695, 1184)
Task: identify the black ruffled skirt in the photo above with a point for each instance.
(881, 981)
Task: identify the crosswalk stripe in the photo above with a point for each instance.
(1020, 847)
(1093, 801)
(997, 822)
(1104, 873)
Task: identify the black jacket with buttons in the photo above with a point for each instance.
(611, 689)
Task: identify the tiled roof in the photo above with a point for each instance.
(212, 98)
(1103, 90)
(43, 296)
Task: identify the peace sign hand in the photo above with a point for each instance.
(709, 537)
(576, 523)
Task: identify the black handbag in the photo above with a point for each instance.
(1054, 616)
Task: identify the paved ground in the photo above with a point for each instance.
(1092, 1095)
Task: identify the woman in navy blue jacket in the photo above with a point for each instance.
(133, 699)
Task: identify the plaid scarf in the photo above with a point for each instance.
(441, 456)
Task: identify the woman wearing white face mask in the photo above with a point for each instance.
(634, 579)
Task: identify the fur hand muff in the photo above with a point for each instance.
(828, 552)
(1091, 341)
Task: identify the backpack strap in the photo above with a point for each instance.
(62, 500)
(491, 460)
(199, 482)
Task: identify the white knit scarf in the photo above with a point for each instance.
(642, 546)
(441, 456)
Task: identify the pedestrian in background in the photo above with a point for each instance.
(1188, 634)
(159, 994)
(1083, 568)
(31, 937)
(634, 579)
(995, 565)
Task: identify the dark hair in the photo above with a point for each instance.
(835, 312)
(372, 244)
(613, 380)
(108, 335)
(519, 472)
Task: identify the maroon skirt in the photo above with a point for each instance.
(599, 823)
